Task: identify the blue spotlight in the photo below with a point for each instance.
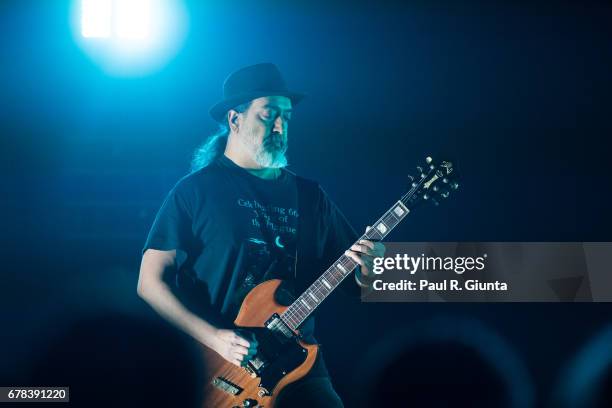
(133, 18)
(129, 37)
(96, 18)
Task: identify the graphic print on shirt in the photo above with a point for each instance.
(278, 220)
(271, 247)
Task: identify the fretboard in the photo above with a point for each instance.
(308, 301)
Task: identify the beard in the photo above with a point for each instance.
(271, 153)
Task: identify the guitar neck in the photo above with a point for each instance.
(316, 293)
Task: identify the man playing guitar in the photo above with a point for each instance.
(237, 221)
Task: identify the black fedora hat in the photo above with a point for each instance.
(249, 83)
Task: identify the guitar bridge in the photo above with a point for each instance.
(227, 386)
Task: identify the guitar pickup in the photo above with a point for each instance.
(226, 386)
(251, 372)
(276, 325)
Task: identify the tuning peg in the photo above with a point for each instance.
(454, 185)
(430, 163)
(412, 182)
(444, 180)
(444, 194)
(425, 196)
(435, 188)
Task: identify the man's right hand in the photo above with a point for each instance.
(152, 287)
(233, 347)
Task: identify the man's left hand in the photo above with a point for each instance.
(363, 253)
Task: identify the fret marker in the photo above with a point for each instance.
(313, 296)
(398, 211)
(382, 228)
(305, 304)
(339, 266)
(326, 283)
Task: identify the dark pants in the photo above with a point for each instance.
(310, 392)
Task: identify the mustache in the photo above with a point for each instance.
(275, 138)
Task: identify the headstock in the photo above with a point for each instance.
(434, 183)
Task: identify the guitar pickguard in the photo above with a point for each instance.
(278, 353)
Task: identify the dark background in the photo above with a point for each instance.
(517, 93)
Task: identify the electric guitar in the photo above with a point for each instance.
(282, 356)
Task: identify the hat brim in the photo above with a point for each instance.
(219, 110)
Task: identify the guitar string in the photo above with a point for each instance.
(294, 316)
(347, 263)
(291, 314)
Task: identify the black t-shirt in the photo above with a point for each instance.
(233, 230)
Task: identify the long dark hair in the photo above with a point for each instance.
(214, 146)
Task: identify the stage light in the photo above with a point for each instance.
(129, 37)
(132, 17)
(96, 18)
(121, 18)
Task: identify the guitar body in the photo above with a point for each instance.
(283, 360)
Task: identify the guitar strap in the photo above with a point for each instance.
(308, 203)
